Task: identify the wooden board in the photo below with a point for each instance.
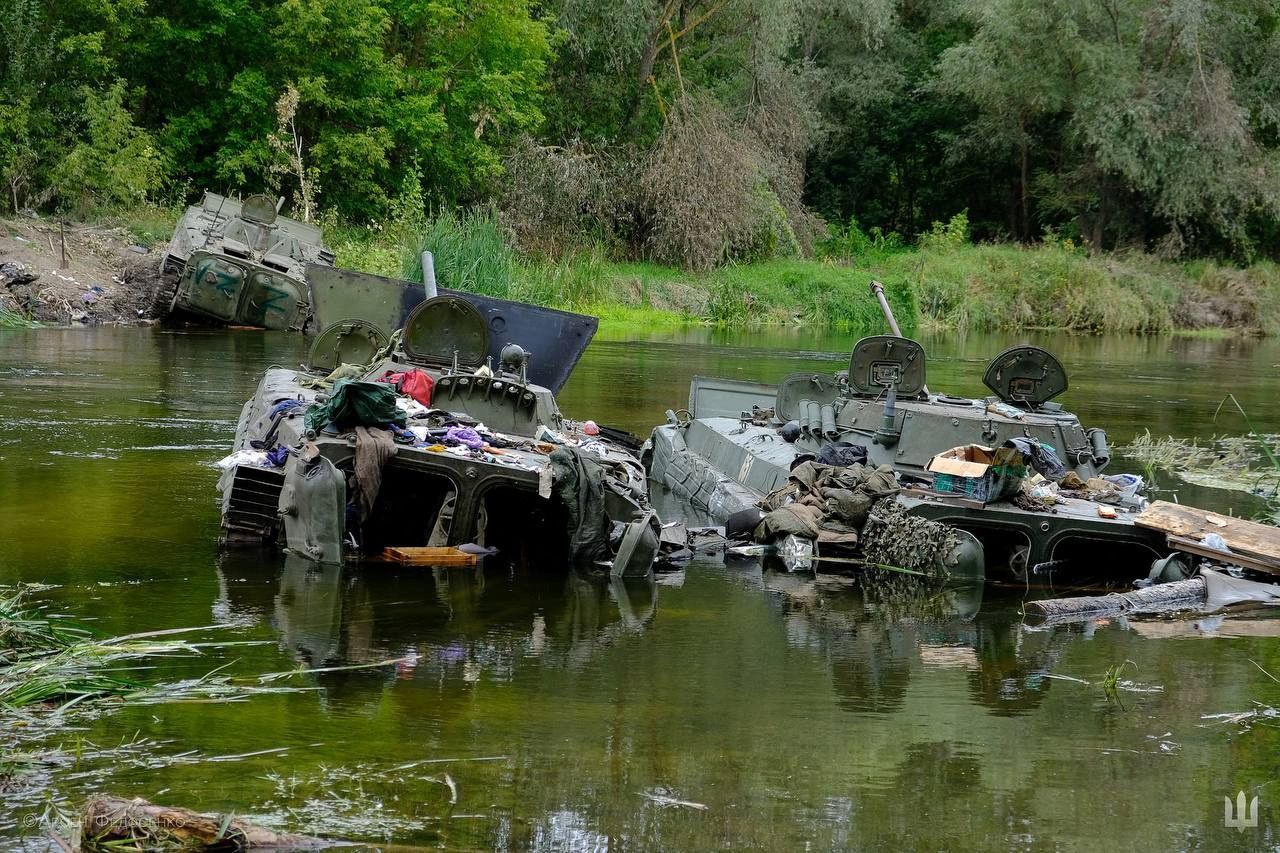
(415, 556)
(1261, 542)
(1191, 546)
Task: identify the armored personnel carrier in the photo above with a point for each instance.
(333, 462)
(240, 263)
(738, 442)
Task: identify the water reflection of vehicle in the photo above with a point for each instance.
(432, 622)
(875, 636)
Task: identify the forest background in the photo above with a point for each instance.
(1088, 164)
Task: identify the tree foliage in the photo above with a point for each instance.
(716, 128)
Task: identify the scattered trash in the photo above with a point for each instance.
(1261, 714)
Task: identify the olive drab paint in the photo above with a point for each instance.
(241, 263)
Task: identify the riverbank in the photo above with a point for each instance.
(72, 273)
(943, 284)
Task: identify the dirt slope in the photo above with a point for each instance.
(106, 278)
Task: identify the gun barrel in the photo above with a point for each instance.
(878, 289)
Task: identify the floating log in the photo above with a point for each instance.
(1153, 599)
(109, 823)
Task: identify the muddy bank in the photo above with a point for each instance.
(76, 274)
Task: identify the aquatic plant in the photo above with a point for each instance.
(1246, 463)
(13, 320)
(1111, 678)
(1221, 462)
(51, 662)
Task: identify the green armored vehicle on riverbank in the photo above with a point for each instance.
(240, 263)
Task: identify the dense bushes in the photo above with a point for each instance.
(689, 132)
(944, 283)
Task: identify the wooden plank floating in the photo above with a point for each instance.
(1186, 525)
(417, 556)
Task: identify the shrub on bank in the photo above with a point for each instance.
(943, 283)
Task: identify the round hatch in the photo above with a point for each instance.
(258, 208)
(442, 326)
(1025, 375)
(887, 361)
(346, 342)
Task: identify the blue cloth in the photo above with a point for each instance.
(284, 406)
(1040, 456)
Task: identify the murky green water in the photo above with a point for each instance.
(570, 715)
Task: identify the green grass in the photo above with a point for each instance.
(149, 225)
(1057, 286)
(13, 320)
(943, 283)
(470, 254)
(777, 292)
(50, 663)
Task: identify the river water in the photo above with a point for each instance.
(722, 708)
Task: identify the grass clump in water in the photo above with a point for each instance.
(1246, 463)
(51, 663)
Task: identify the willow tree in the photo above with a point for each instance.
(1126, 114)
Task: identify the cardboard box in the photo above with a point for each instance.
(982, 473)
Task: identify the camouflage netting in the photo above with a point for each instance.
(891, 537)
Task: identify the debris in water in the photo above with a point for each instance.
(111, 823)
(1261, 715)
(664, 799)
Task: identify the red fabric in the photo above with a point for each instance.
(414, 383)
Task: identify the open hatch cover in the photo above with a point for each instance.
(554, 339)
(885, 361)
(445, 326)
(1025, 375)
(346, 342)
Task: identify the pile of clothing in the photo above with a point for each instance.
(1053, 481)
(825, 503)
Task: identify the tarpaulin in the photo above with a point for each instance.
(355, 404)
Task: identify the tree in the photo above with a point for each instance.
(115, 164)
(1123, 112)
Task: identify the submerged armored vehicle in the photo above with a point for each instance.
(334, 462)
(738, 442)
(241, 263)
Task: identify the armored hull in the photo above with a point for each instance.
(333, 464)
(240, 263)
(737, 443)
